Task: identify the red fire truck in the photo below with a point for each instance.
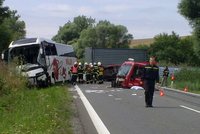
(129, 74)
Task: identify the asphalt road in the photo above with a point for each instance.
(123, 111)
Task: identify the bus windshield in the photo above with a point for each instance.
(124, 69)
(26, 54)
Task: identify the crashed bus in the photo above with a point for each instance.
(42, 61)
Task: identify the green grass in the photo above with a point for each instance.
(189, 78)
(34, 111)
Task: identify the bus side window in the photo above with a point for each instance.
(50, 49)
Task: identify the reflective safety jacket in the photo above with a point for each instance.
(74, 69)
(95, 70)
(100, 70)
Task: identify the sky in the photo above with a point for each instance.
(143, 18)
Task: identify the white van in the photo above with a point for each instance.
(42, 61)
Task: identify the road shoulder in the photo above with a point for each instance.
(81, 122)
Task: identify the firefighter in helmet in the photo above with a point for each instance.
(91, 72)
(87, 72)
(80, 73)
(100, 73)
(74, 73)
(95, 72)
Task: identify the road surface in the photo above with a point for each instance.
(123, 111)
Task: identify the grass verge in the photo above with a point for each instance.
(34, 111)
(189, 78)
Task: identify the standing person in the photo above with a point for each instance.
(87, 72)
(95, 72)
(100, 73)
(165, 76)
(80, 73)
(91, 71)
(74, 73)
(150, 75)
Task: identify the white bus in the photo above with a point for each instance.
(42, 61)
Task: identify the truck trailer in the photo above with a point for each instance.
(111, 56)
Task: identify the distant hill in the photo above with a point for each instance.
(146, 41)
(137, 42)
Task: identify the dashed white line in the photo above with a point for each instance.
(99, 125)
(190, 109)
(134, 94)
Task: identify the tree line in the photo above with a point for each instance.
(11, 27)
(171, 49)
(84, 32)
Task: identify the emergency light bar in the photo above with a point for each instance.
(130, 59)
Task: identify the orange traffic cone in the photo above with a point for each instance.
(185, 89)
(161, 92)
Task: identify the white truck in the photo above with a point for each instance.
(43, 61)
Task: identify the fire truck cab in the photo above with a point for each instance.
(129, 74)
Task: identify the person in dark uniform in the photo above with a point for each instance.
(150, 75)
(87, 72)
(80, 72)
(100, 73)
(165, 76)
(95, 72)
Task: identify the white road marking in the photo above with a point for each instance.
(190, 109)
(95, 91)
(99, 125)
(134, 94)
(110, 95)
(118, 98)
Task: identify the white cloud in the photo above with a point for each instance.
(117, 8)
(55, 7)
(86, 11)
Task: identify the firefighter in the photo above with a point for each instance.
(91, 72)
(80, 73)
(95, 72)
(74, 73)
(150, 75)
(165, 76)
(100, 73)
(87, 72)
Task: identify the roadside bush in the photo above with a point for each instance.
(188, 78)
(10, 80)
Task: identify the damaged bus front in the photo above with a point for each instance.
(36, 59)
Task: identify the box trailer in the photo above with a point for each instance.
(108, 56)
